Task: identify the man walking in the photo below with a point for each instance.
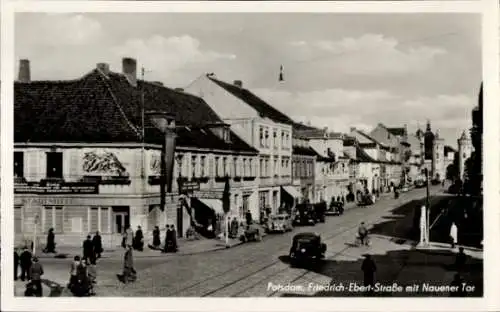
(88, 249)
(97, 243)
(453, 235)
(363, 234)
(36, 273)
(369, 268)
(25, 260)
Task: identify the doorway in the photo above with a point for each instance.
(121, 219)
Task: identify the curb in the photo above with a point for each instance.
(116, 253)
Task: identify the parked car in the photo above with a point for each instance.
(336, 208)
(306, 247)
(419, 183)
(279, 223)
(304, 215)
(435, 182)
(320, 211)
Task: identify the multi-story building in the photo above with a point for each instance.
(417, 156)
(397, 141)
(88, 156)
(382, 169)
(332, 166)
(261, 126)
(304, 160)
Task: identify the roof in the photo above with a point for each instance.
(305, 151)
(306, 235)
(102, 108)
(449, 149)
(397, 131)
(263, 108)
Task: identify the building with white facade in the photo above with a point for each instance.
(332, 166)
(381, 169)
(261, 126)
(86, 160)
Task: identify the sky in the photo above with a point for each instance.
(340, 70)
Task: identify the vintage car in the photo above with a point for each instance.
(366, 200)
(320, 211)
(306, 247)
(252, 232)
(336, 208)
(305, 215)
(279, 223)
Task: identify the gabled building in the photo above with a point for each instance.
(88, 156)
(381, 169)
(262, 127)
(397, 140)
(304, 163)
(332, 166)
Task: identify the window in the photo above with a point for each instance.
(251, 167)
(193, 166)
(203, 166)
(55, 165)
(18, 164)
(261, 164)
(282, 139)
(236, 201)
(217, 169)
(235, 166)
(275, 139)
(244, 173)
(276, 169)
(261, 136)
(180, 165)
(225, 168)
(267, 138)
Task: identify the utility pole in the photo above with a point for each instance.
(427, 203)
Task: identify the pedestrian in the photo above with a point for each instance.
(25, 260)
(73, 277)
(92, 271)
(168, 238)
(51, 242)
(460, 259)
(129, 273)
(88, 248)
(248, 217)
(234, 228)
(129, 234)
(453, 235)
(139, 239)
(97, 243)
(36, 272)
(174, 237)
(16, 263)
(156, 238)
(457, 284)
(369, 268)
(363, 234)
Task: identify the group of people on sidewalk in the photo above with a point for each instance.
(170, 244)
(31, 271)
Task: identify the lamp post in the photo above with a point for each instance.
(165, 122)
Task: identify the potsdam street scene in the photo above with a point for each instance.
(248, 155)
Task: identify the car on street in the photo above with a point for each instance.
(252, 232)
(320, 211)
(306, 248)
(305, 215)
(336, 208)
(279, 223)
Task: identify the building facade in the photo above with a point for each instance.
(261, 126)
(97, 165)
(304, 163)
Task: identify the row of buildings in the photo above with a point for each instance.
(109, 150)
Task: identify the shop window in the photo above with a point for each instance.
(18, 164)
(54, 165)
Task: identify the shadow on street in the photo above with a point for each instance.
(404, 267)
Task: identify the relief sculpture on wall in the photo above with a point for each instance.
(155, 165)
(104, 163)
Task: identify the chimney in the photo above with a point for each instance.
(103, 68)
(129, 68)
(24, 71)
(238, 83)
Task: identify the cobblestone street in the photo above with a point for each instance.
(254, 269)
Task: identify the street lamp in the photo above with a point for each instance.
(165, 122)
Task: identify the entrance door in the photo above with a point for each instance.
(121, 222)
(180, 222)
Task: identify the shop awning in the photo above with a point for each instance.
(214, 204)
(292, 191)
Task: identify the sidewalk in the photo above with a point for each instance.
(186, 247)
